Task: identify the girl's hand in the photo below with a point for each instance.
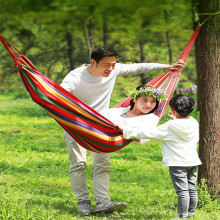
(118, 128)
(171, 115)
(135, 139)
(121, 130)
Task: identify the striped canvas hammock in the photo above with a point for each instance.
(89, 128)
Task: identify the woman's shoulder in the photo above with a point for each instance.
(149, 119)
(113, 110)
(151, 116)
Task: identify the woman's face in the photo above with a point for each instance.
(145, 104)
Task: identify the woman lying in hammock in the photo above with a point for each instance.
(144, 101)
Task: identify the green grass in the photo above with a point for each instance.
(35, 184)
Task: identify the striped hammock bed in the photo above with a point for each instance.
(89, 128)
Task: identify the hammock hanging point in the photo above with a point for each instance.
(90, 129)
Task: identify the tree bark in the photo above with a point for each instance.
(168, 39)
(70, 50)
(142, 57)
(89, 31)
(208, 72)
(105, 31)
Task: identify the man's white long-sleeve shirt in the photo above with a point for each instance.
(178, 137)
(96, 91)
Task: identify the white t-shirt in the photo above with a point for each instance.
(96, 91)
(117, 117)
(178, 137)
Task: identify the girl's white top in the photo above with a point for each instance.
(117, 117)
(178, 137)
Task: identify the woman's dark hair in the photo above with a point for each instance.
(100, 52)
(182, 104)
(132, 101)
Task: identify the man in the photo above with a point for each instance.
(93, 84)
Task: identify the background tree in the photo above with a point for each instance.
(58, 35)
(208, 69)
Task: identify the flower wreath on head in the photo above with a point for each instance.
(146, 92)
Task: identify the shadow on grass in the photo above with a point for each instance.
(7, 166)
(62, 207)
(27, 111)
(127, 216)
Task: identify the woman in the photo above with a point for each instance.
(144, 101)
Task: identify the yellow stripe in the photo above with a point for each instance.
(161, 85)
(93, 133)
(24, 62)
(158, 82)
(90, 147)
(65, 100)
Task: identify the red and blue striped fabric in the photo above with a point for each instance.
(90, 129)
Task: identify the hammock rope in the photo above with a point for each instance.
(89, 128)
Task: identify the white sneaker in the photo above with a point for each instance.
(109, 207)
(84, 207)
(191, 215)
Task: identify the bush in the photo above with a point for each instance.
(206, 201)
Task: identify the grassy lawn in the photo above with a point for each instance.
(34, 179)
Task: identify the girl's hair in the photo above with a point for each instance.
(182, 104)
(132, 103)
(101, 52)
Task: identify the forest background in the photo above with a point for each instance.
(58, 36)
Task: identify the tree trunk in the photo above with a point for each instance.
(168, 39)
(105, 31)
(143, 77)
(208, 71)
(70, 49)
(89, 31)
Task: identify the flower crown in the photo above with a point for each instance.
(148, 91)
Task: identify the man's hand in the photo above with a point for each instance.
(176, 66)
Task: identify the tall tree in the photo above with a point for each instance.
(208, 69)
(70, 49)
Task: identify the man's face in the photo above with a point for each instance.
(104, 66)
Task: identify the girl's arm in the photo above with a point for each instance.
(159, 133)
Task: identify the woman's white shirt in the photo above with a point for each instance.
(117, 116)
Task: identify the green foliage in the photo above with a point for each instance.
(206, 201)
(146, 92)
(34, 178)
(39, 29)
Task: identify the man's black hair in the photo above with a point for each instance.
(182, 104)
(100, 52)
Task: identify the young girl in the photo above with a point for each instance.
(179, 139)
(144, 101)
